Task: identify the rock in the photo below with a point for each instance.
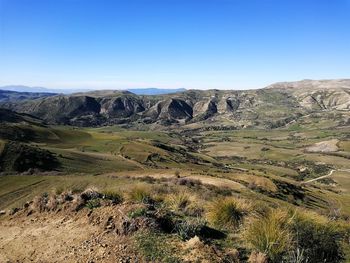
(257, 257)
(109, 225)
(13, 211)
(194, 242)
(89, 194)
(232, 256)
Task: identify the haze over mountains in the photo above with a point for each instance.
(141, 91)
(273, 106)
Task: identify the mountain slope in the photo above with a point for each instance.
(318, 94)
(13, 96)
(273, 106)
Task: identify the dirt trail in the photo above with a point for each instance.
(327, 175)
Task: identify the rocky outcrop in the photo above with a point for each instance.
(171, 110)
(121, 106)
(318, 94)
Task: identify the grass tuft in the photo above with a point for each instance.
(140, 194)
(178, 201)
(270, 234)
(228, 212)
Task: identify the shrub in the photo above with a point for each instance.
(228, 212)
(269, 235)
(115, 197)
(138, 212)
(186, 229)
(93, 203)
(318, 238)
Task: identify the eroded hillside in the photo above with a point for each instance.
(273, 106)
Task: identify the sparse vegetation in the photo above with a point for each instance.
(155, 247)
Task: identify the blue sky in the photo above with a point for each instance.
(223, 44)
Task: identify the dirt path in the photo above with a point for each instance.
(327, 175)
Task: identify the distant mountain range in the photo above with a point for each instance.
(14, 96)
(270, 107)
(143, 91)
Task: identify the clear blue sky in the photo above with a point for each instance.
(224, 44)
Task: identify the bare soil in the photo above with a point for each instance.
(325, 146)
(64, 237)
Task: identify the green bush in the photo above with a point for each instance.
(189, 228)
(93, 203)
(115, 197)
(319, 238)
(138, 212)
(296, 236)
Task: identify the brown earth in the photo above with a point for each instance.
(65, 237)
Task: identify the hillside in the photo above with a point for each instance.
(274, 106)
(258, 176)
(14, 96)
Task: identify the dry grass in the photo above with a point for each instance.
(270, 234)
(228, 212)
(140, 194)
(178, 201)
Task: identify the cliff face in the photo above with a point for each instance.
(278, 103)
